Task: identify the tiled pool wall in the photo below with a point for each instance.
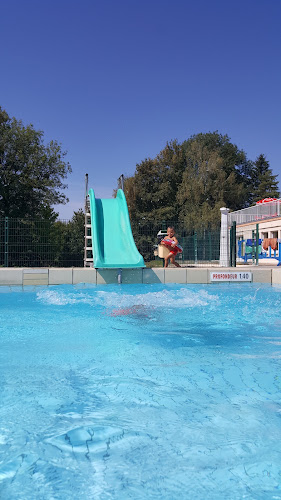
(64, 276)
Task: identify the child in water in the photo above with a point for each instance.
(171, 235)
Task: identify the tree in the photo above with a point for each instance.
(75, 239)
(200, 174)
(217, 174)
(265, 184)
(188, 183)
(152, 195)
(201, 193)
(31, 173)
(151, 192)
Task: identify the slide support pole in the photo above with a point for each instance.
(119, 276)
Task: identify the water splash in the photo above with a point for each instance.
(60, 298)
(108, 299)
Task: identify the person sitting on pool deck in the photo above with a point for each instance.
(171, 235)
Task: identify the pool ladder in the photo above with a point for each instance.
(88, 252)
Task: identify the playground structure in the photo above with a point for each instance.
(109, 241)
(249, 250)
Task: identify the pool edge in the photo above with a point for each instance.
(184, 275)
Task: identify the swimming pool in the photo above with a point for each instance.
(140, 392)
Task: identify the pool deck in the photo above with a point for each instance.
(184, 275)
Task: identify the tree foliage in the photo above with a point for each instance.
(216, 174)
(265, 184)
(188, 183)
(31, 173)
(73, 241)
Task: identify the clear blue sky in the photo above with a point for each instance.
(114, 80)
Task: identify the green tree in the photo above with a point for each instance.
(31, 173)
(217, 174)
(76, 236)
(68, 241)
(188, 183)
(200, 174)
(152, 195)
(265, 184)
(152, 192)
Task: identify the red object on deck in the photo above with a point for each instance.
(266, 200)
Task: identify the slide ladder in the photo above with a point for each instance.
(88, 253)
(109, 241)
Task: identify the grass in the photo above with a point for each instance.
(154, 263)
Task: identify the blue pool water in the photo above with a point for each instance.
(140, 392)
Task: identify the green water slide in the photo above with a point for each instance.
(112, 238)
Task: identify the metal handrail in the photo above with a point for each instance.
(256, 213)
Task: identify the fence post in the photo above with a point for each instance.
(6, 257)
(253, 247)
(86, 219)
(234, 244)
(224, 238)
(257, 245)
(195, 248)
(210, 246)
(164, 228)
(231, 246)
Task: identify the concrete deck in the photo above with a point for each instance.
(184, 275)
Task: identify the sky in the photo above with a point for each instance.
(114, 80)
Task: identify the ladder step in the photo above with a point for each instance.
(88, 261)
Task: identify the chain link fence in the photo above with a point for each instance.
(45, 243)
(40, 243)
(199, 247)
